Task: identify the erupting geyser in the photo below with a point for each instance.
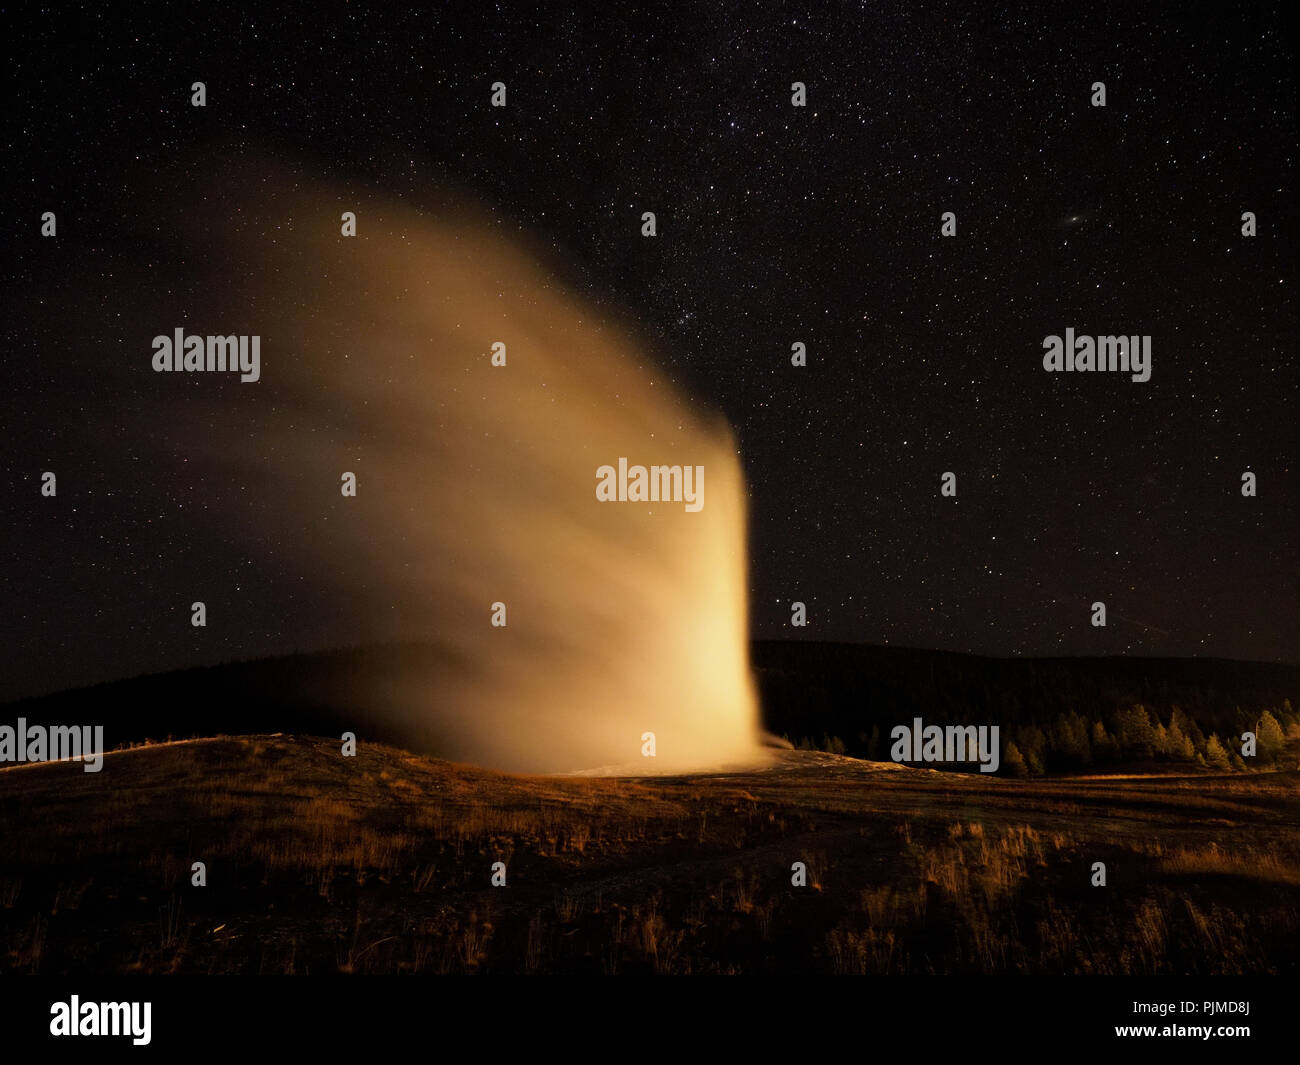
(478, 495)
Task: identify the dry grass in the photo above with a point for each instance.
(1250, 864)
(381, 864)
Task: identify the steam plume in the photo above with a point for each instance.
(475, 484)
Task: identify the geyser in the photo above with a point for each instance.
(474, 498)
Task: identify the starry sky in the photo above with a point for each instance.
(777, 224)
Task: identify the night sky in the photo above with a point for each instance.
(777, 225)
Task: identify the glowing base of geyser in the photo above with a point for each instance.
(475, 483)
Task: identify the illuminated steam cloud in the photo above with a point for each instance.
(476, 484)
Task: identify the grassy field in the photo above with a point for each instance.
(382, 864)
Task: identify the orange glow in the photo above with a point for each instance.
(476, 484)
